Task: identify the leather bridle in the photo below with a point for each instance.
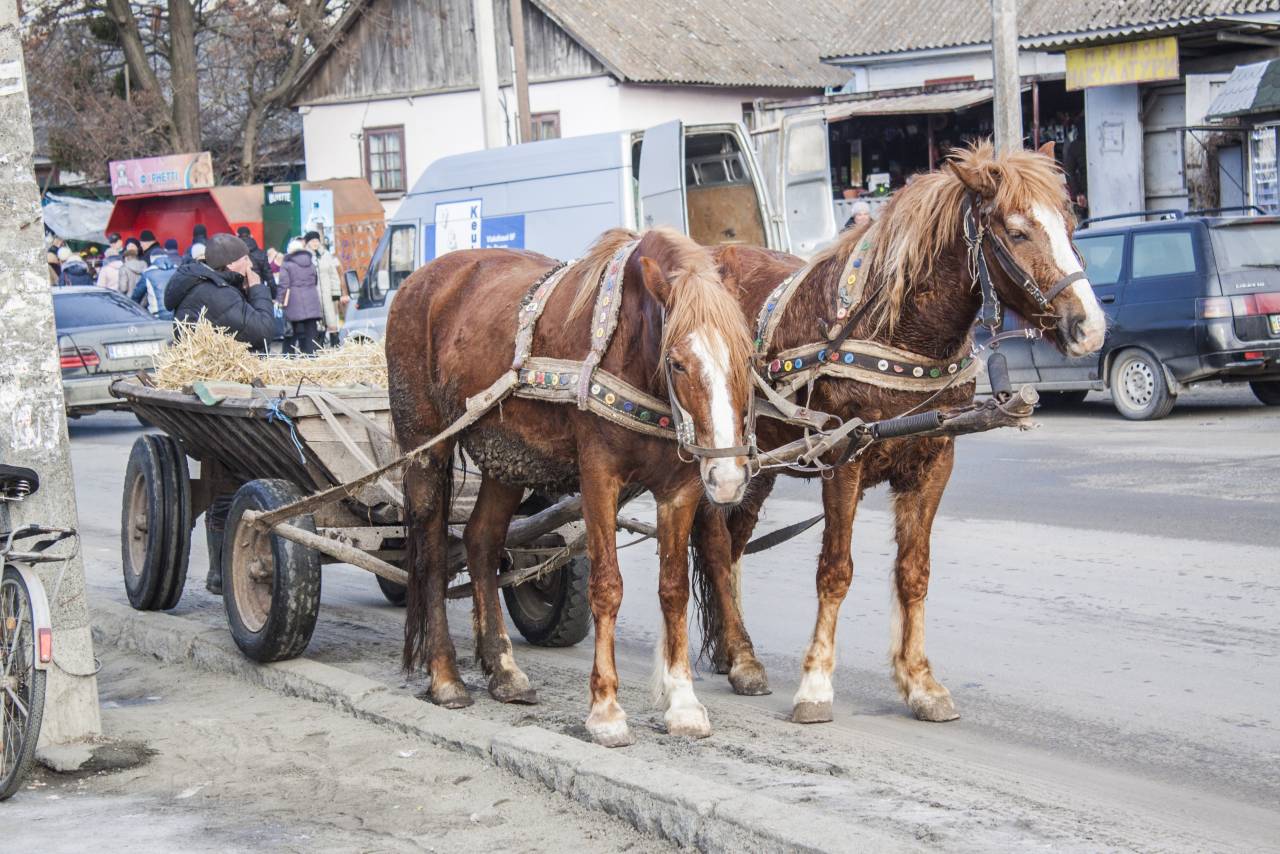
(977, 232)
(686, 437)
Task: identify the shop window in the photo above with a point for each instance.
(545, 125)
(384, 159)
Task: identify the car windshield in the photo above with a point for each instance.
(1255, 245)
(73, 311)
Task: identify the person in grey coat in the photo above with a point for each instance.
(299, 293)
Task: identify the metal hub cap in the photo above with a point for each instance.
(1138, 383)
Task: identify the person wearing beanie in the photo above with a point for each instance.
(199, 236)
(226, 289)
(171, 248)
(333, 292)
(150, 247)
(300, 295)
(132, 268)
(74, 270)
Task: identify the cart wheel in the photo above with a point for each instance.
(22, 691)
(142, 525)
(555, 610)
(396, 593)
(177, 527)
(270, 586)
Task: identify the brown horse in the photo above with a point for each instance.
(921, 296)
(450, 335)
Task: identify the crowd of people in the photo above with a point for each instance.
(297, 298)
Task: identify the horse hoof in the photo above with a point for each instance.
(609, 727)
(749, 679)
(811, 713)
(451, 696)
(691, 722)
(506, 687)
(936, 708)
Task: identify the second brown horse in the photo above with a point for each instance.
(450, 335)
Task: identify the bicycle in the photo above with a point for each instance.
(26, 631)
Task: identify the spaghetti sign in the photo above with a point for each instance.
(161, 174)
(1114, 64)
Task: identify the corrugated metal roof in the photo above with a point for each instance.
(1250, 89)
(892, 26)
(929, 102)
(774, 43)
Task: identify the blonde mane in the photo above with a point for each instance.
(924, 219)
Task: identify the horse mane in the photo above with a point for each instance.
(699, 298)
(923, 221)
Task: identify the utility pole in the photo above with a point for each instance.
(1007, 85)
(520, 70)
(487, 66)
(33, 426)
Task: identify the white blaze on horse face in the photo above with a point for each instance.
(723, 478)
(1093, 328)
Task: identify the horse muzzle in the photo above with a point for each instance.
(724, 479)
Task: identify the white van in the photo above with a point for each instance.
(557, 196)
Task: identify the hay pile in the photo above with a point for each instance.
(202, 352)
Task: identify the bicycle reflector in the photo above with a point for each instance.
(44, 645)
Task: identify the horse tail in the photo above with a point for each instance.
(420, 560)
(705, 604)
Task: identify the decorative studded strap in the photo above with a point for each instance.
(604, 317)
(531, 309)
(610, 397)
(774, 307)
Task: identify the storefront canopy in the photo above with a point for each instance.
(901, 105)
(1250, 89)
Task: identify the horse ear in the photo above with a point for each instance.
(975, 178)
(654, 281)
(1046, 149)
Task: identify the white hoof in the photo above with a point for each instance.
(691, 721)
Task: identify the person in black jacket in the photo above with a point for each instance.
(258, 257)
(227, 290)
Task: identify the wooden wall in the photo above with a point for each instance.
(418, 46)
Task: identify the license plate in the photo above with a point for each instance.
(1275, 323)
(134, 349)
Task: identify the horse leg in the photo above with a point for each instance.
(813, 700)
(427, 489)
(606, 722)
(719, 540)
(673, 678)
(915, 503)
(485, 536)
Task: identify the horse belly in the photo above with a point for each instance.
(510, 458)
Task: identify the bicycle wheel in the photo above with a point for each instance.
(21, 684)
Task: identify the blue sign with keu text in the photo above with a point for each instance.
(496, 232)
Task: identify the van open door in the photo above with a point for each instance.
(805, 182)
(662, 192)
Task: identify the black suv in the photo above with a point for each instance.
(1188, 298)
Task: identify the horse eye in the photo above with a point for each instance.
(1017, 236)
(677, 366)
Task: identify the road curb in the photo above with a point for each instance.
(689, 811)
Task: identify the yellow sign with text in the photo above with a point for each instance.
(1132, 62)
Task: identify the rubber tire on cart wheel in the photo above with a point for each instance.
(1138, 387)
(142, 525)
(19, 766)
(270, 586)
(1062, 399)
(396, 594)
(1268, 393)
(177, 526)
(555, 610)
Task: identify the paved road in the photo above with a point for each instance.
(1103, 609)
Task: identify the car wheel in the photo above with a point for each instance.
(1138, 387)
(1268, 393)
(1061, 399)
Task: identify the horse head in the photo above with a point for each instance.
(705, 353)
(1020, 199)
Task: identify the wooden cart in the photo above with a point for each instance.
(260, 448)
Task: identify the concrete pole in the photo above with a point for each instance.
(520, 70)
(1007, 105)
(487, 66)
(33, 427)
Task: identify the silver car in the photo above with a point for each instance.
(102, 337)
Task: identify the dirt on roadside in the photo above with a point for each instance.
(229, 767)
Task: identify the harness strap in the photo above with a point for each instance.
(604, 317)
